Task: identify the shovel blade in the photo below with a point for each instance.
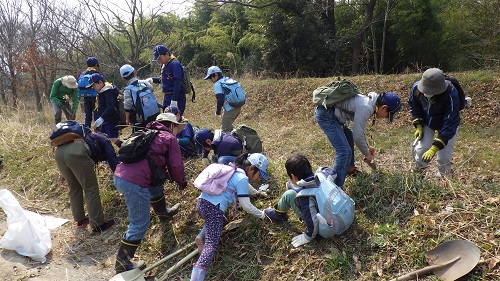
(130, 275)
(468, 252)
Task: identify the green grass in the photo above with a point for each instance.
(398, 215)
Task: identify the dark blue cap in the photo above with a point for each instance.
(158, 51)
(393, 102)
(95, 78)
(92, 61)
(201, 137)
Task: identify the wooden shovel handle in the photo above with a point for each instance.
(177, 265)
(169, 257)
(412, 275)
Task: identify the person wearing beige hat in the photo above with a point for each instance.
(135, 182)
(435, 107)
(64, 88)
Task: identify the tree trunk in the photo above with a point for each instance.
(330, 18)
(374, 47)
(358, 41)
(384, 32)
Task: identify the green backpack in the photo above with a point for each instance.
(334, 92)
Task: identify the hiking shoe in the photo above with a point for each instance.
(103, 227)
(353, 172)
(82, 224)
(275, 215)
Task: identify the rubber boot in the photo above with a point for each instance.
(126, 252)
(198, 274)
(160, 208)
(276, 215)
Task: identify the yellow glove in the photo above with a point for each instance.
(205, 162)
(419, 133)
(430, 153)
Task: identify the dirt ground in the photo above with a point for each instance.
(75, 255)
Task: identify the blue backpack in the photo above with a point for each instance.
(83, 91)
(234, 94)
(332, 203)
(144, 101)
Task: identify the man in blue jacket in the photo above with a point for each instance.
(435, 107)
(172, 74)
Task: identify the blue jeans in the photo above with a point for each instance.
(335, 133)
(350, 140)
(226, 159)
(137, 200)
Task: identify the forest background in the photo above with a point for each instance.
(41, 40)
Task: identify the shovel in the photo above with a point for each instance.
(450, 261)
(138, 275)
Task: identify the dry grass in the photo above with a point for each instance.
(398, 217)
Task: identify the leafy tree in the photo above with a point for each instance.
(419, 34)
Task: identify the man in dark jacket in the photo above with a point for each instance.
(89, 99)
(107, 106)
(434, 106)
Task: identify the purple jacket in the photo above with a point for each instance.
(164, 143)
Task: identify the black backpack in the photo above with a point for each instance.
(461, 93)
(137, 148)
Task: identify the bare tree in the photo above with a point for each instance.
(10, 43)
(358, 41)
(36, 14)
(116, 33)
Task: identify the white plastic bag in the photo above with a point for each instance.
(27, 232)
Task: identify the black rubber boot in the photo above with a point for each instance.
(160, 208)
(125, 255)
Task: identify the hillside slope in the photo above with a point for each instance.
(398, 216)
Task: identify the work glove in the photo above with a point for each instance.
(174, 103)
(98, 122)
(149, 80)
(430, 153)
(300, 240)
(205, 162)
(418, 133)
(264, 187)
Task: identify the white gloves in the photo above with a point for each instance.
(264, 187)
(149, 80)
(300, 240)
(173, 103)
(205, 162)
(98, 122)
